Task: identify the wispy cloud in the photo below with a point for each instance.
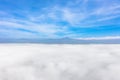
(56, 20)
(40, 30)
(100, 38)
(80, 16)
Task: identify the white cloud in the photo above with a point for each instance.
(81, 17)
(108, 18)
(59, 62)
(100, 38)
(42, 30)
(13, 33)
(10, 24)
(107, 10)
(74, 18)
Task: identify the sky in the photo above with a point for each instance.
(59, 19)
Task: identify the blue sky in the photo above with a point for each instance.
(59, 18)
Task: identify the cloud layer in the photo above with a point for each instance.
(59, 62)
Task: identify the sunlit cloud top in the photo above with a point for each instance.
(59, 18)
